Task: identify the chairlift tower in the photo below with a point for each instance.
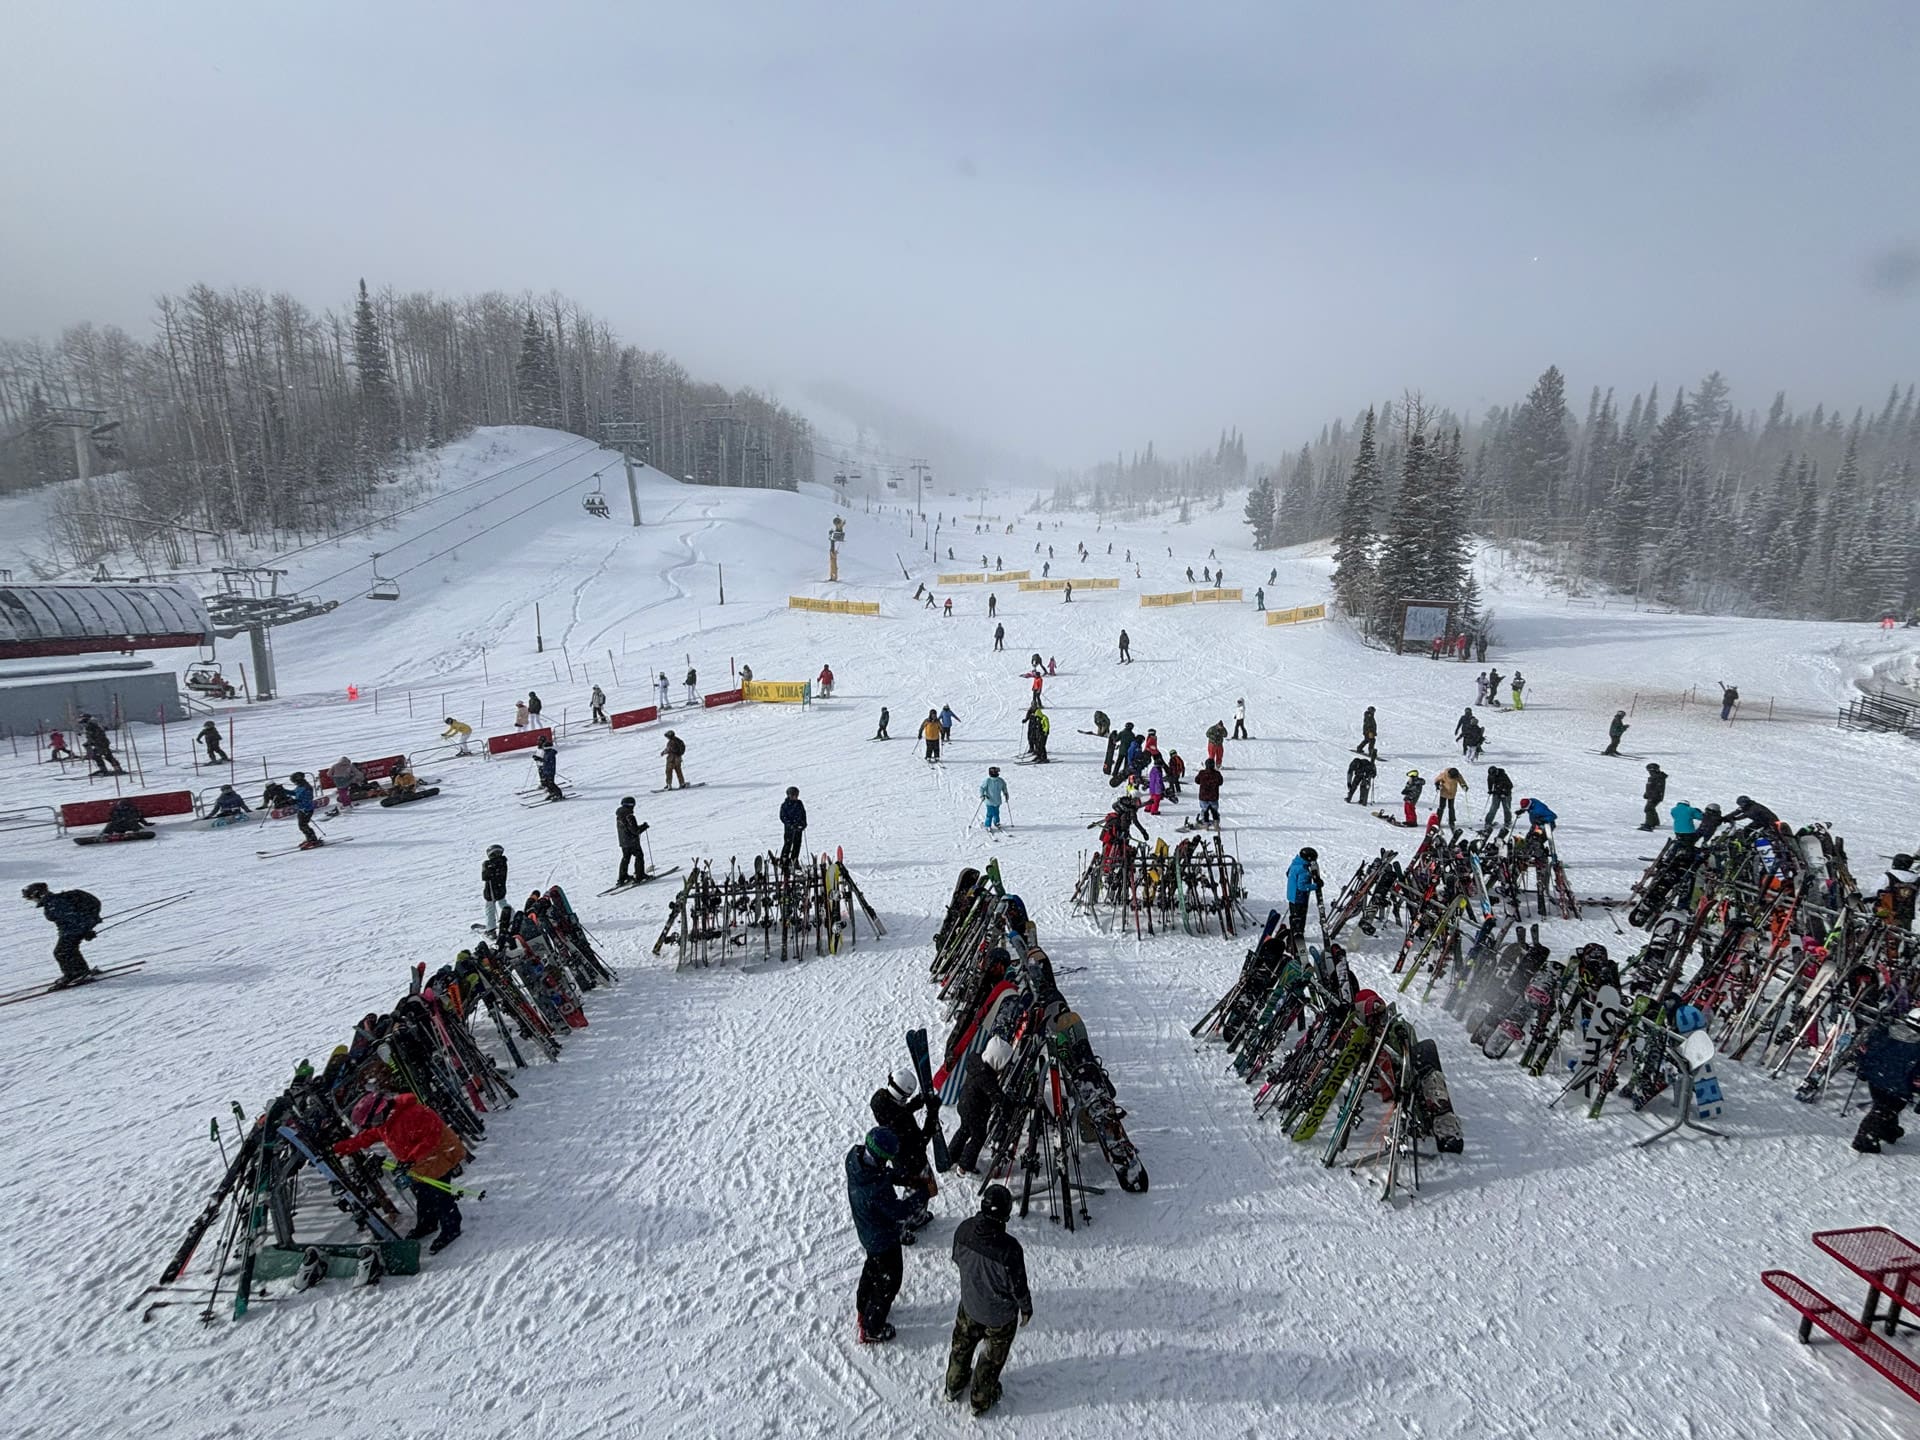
(634, 440)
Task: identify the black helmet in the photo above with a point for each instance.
(1651, 765)
(1307, 852)
(36, 891)
(993, 769)
(627, 802)
(793, 791)
(1743, 800)
(996, 1201)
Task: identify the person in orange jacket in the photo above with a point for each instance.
(425, 1145)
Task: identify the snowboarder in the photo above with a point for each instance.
(124, 819)
(1729, 697)
(493, 882)
(1446, 786)
(519, 714)
(825, 682)
(993, 609)
(425, 1146)
(693, 681)
(209, 736)
(1616, 728)
(459, 732)
(1410, 797)
(885, 716)
(676, 752)
(1516, 685)
(793, 826)
(1499, 797)
(547, 765)
(73, 913)
(999, 637)
(303, 810)
(1260, 599)
(1206, 785)
(1303, 883)
(1653, 794)
(1069, 599)
(932, 732)
(994, 1300)
(1369, 736)
(627, 829)
(1889, 1064)
(1126, 652)
(1493, 688)
(880, 1220)
(993, 790)
(228, 803)
(597, 704)
(1360, 773)
(1540, 819)
(1240, 719)
(947, 717)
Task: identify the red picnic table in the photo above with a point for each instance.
(1890, 1264)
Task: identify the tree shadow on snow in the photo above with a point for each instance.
(1194, 1375)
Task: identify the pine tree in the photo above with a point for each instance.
(1450, 546)
(1628, 514)
(539, 385)
(1260, 513)
(1403, 564)
(1539, 449)
(1353, 551)
(379, 406)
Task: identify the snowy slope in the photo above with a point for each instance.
(665, 1248)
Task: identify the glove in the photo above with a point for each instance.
(906, 1237)
(1026, 1316)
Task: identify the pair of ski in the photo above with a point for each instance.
(651, 875)
(304, 845)
(54, 987)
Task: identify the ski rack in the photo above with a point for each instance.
(811, 908)
(1151, 888)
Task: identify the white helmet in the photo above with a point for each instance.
(997, 1053)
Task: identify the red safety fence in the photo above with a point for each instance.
(621, 719)
(518, 740)
(724, 697)
(151, 807)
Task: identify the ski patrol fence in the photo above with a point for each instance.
(1096, 583)
(1297, 615)
(833, 607)
(996, 577)
(626, 719)
(719, 698)
(778, 692)
(965, 577)
(1202, 597)
(1173, 597)
(518, 740)
(152, 806)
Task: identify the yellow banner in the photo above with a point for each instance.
(972, 577)
(1200, 595)
(1061, 584)
(1000, 575)
(1297, 614)
(1096, 584)
(833, 607)
(1178, 597)
(778, 692)
(1043, 584)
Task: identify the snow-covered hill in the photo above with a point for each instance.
(665, 1248)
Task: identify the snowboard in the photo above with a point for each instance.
(1430, 1084)
(279, 1262)
(113, 839)
(388, 802)
(923, 1071)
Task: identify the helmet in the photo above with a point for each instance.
(993, 769)
(1743, 800)
(1526, 804)
(997, 1053)
(36, 891)
(897, 1090)
(1307, 852)
(370, 1109)
(883, 1144)
(1413, 774)
(793, 791)
(1652, 766)
(669, 735)
(996, 1201)
(496, 849)
(627, 802)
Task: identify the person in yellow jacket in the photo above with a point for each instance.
(930, 732)
(1446, 785)
(456, 730)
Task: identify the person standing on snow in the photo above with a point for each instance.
(1303, 883)
(1410, 796)
(994, 1301)
(1176, 772)
(1686, 821)
(628, 828)
(1616, 728)
(1516, 685)
(1462, 726)
(1069, 599)
(1653, 794)
(693, 680)
(1156, 786)
(493, 882)
(1889, 1064)
(1493, 688)
(1480, 688)
(1260, 599)
(1446, 786)
(1240, 719)
(980, 1095)
(885, 716)
(793, 826)
(932, 732)
(1369, 736)
(73, 913)
(1729, 697)
(993, 609)
(1038, 728)
(946, 608)
(661, 690)
(1206, 785)
(519, 714)
(676, 752)
(597, 703)
(880, 1220)
(1360, 773)
(547, 759)
(826, 682)
(303, 810)
(209, 736)
(1217, 743)
(1126, 649)
(425, 1146)
(1499, 797)
(993, 790)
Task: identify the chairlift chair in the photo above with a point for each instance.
(382, 588)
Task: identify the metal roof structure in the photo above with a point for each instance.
(38, 620)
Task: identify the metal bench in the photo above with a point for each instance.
(1816, 1309)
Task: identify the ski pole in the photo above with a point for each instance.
(213, 1129)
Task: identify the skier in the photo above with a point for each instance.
(1480, 688)
(826, 682)
(1190, 574)
(1303, 883)
(933, 602)
(547, 765)
(1069, 599)
(1126, 654)
(1493, 688)
(1206, 785)
(1518, 683)
(1369, 736)
(993, 790)
(1156, 786)
(1217, 743)
(880, 1220)
(946, 608)
(1729, 697)
(793, 826)
(999, 637)
(228, 803)
(1046, 570)
(1240, 719)
(1446, 786)
(993, 609)
(519, 714)
(676, 752)
(1360, 773)
(660, 691)
(885, 716)
(693, 680)
(57, 746)
(458, 731)
(1499, 797)
(1655, 792)
(627, 829)
(1480, 648)
(1038, 728)
(73, 913)
(597, 703)
(1052, 669)
(919, 589)
(493, 883)
(1540, 819)
(425, 1146)
(994, 1300)
(947, 717)
(1410, 796)
(94, 745)
(1889, 1064)
(1461, 726)
(1260, 599)
(1176, 769)
(533, 708)
(209, 736)
(980, 1094)
(1616, 728)
(931, 732)
(303, 810)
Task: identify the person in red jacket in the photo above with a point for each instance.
(423, 1143)
(826, 682)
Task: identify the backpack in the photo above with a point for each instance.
(86, 905)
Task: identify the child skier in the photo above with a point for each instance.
(993, 790)
(1410, 796)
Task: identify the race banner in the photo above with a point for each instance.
(1297, 614)
(778, 692)
(1178, 597)
(1203, 595)
(968, 577)
(833, 607)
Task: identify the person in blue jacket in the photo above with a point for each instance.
(947, 717)
(1303, 883)
(549, 762)
(880, 1219)
(1890, 1064)
(1686, 819)
(993, 790)
(1537, 813)
(303, 809)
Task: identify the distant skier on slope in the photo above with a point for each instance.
(1616, 730)
(1240, 719)
(676, 752)
(1654, 792)
(930, 732)
(597, 706)
(1369, 736)
(209, 736)
(885, 716)
(1126, 649)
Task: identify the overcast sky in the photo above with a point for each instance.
(1067, 228)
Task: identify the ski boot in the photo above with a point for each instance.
(370, 1268)
(313, 1269)
(879, 1335)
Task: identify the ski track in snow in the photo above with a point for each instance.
(665, 1251)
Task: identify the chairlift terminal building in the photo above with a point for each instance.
(57, 649)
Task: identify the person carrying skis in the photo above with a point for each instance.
(458, 731)
(627, 829)
(880, 1220)
(993, 790)
(228, 803)
(519, 714)
(676, 752)
(826, 682)
(947, 717)
(793, 826)
(73, 913)
(693, 681)
(1206, 785)
(1499, 797)
(425, 1147)
(493, 881)
(1240, 719)
(1410, 796)
(303, 810)
(547, 766)
(994, 1301)
(1101, 724)
(932, 732)
(1653, 794)
(1126, 649)
(209, 736)
(885, 716)
(893, 1107)
(1446, 786)
(1889, 1065)
(1369, 736)
(1515, 686)
(1303, 883)
(1360, 775)
(597, 706)
(980, 1094)
(999, 637)
(1540, 819)
(1616, 728)
(1217, 743)
(1729, 697)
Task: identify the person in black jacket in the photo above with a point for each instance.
(1360, 773)
(493, 883)
(74, 913)
(1889, 1064)
(880, 1220)
(628, 826)
(994, 1300)
(980, 1096)
(894, 1108)
(1655, 792)
(209, 736)
(793, 823)
(1499, 797)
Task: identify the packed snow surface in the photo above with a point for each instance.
(665, 1247)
